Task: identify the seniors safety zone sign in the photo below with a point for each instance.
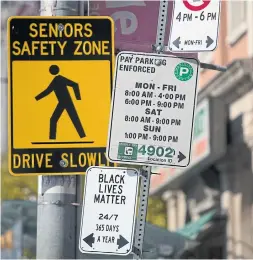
(58, 105)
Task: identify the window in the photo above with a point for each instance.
(237, 20)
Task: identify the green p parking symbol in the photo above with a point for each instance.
(183, 71)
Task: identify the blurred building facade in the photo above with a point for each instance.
(212, 199)
(11, 242)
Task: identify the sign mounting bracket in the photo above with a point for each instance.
(212, 67)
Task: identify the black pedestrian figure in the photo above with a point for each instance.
(59, 85)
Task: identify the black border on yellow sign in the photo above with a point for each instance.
(10, 130)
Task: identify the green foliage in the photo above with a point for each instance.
(29, 254)
(14, 187)
(156, 214)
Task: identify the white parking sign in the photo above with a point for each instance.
(152, 109)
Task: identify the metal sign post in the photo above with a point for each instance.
(145, 175)
(161, 26)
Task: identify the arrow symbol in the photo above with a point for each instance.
(89, 239)
(121, 241)
(177, 42)
(209, 41)
(180, 157)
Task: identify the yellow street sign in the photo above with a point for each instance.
(60, 82)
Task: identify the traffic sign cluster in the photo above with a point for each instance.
(149, 107)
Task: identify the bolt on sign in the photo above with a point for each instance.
(108, 213)
(152, 109)
(194, 26)
(58, 105)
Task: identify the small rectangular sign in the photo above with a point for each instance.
(109, 208)
(194, 26)
(54, 126)
(152, 109)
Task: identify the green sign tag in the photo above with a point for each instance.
(127, 151)
(183, 71)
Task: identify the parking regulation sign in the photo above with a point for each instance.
(194, 26)
(109, 207)
(152, 109)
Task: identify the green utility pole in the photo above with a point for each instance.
(57, 195)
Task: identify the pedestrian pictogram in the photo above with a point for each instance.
(58, 107)
(194, 26)
(59, 86)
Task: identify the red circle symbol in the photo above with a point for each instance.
(196, 7)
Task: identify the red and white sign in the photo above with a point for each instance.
(194, 26)
(200, 5)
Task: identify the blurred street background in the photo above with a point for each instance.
(204, 211)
